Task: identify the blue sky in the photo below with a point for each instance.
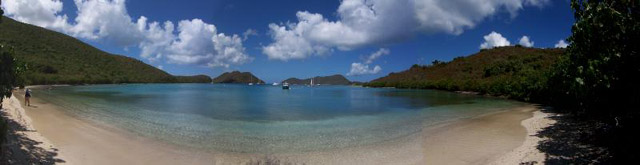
(334, 36)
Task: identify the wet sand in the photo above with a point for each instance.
(479, 140)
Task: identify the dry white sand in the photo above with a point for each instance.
(528, 152)
(480, 140)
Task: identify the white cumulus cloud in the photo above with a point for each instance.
(192, 42)
(362, 69)
(526, 42)
(197, 42)
(249, 32)
(156, 39)
(494, 39)
(291, 45)
(366, 22)
(561, 44)
(376, 55)
(105, 19)
(43, 13)
(358, 68)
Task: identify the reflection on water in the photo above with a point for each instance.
(267, 119)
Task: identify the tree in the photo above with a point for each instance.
(8, 77)
(600, 68)
(8, 71)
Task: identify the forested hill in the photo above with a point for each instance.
(194, 79)
(323, 80)
(511, 71)
(237, 77)
(55, 58)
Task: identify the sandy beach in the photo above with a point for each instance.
(498, 138)
(24, 144)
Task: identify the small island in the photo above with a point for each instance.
(237, 77)
(194, 79)
(320, 80)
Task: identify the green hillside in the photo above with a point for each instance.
(237, 77)
(55, 58)
(194, 79)
(516, 72)
(323, 80)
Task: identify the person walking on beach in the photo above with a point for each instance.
(27, 95)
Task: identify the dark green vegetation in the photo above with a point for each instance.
(9, 71)
(237, 77)
(8, 76)
(326, 80)
(516, 72)
(601, 69)
(55, 58)
(194, 79)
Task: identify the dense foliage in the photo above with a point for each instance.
(8, 71)
(7, 82)
(194, 79)
(515, 72)
(601, 67)
(8, 76)
(237, 77)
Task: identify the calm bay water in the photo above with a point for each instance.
(265, 118)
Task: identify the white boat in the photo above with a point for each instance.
(250, 83)
(285, 85)
(275, 84)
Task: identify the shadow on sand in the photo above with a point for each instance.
(574, 141)
(19, 149)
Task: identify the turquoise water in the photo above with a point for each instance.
(265, 118)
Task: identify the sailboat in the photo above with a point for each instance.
(251, 82)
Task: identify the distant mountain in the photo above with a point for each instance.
(194, 79)
(55, 58)
(510, 71)
(237, 77)
(326, 80)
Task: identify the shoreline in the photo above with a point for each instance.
(474, 140)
